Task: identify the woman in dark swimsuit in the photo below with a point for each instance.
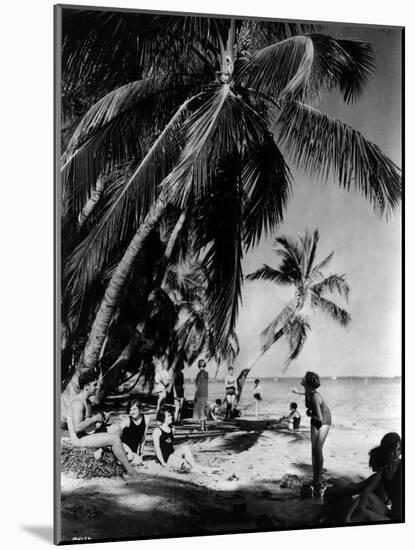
(134, 431)
(380, 495)
(320, 422)
(181, 458)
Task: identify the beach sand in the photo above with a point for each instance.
(252, 457)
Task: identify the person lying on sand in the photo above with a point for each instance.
(293, 418)
(88, 430)
(134, 430)
(380, 495)
(179, 459)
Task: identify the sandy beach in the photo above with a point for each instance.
(254, 459)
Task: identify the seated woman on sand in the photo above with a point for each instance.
(134, 430)
(380, 495)
(179, 458)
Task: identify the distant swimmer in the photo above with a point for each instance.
(257, 393)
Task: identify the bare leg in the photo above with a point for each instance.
(370, 508)
(109, 440)
(319, 440)
(313, 437)
(160, 401)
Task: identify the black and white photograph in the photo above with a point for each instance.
(229, 266)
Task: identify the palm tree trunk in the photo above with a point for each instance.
(91, 203)
(244, 373)
(135, 339)
(119, 278)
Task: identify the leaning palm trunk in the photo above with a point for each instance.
(111, 300)
(114, 290)
(244, 373)
(135, 339)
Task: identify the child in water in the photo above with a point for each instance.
(257, 393)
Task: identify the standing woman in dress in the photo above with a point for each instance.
(178, 391)
(320, 422)
(201, 394)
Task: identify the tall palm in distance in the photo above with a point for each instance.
(239, 100)
(299, 269)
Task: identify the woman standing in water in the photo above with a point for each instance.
(320, 422)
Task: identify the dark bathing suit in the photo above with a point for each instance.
(166, 444)
(393, 488)
(325, 412)
(178, 385)
(133, 434)
(296, 422)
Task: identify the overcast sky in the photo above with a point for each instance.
(367, 248)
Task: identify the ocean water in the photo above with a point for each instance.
(355, 403)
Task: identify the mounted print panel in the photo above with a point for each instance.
(229, 289)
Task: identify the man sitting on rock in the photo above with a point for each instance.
(88, 430)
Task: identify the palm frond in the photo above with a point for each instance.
(296, 335)
(291, 257)
(124, 205)
(335, 312)
(275, 329)
(332, 283)
(343, 64)
(218, 224)
(114, 129)
(268, 273)
(281, 70)
(266, 180)
(317, 269)
(323, 146)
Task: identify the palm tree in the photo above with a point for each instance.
(299, 269)
(233, 95)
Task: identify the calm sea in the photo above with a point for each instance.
(354, 402)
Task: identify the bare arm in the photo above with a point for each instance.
(143, 439)
(156, 441)
(80, 424)
(298, 392)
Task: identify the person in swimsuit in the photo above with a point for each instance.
(230, 390)
(293, 418)
(178, 392)
(179, 458)
(257, 393)
(88, 430)
(134, 430)
(380, 495)
(320, 422)
(161, 381)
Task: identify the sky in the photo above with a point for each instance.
(367, 247)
